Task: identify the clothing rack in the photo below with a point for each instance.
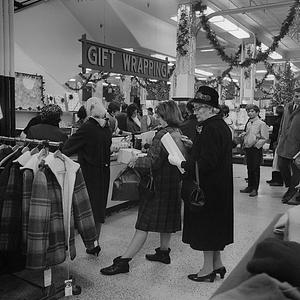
(31, 141)
(49, 290)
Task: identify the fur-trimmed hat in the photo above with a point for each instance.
(207, 95)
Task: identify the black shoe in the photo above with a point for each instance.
(95, 251)
(206, 278)
(288, 195)
(221, 271)
(160, 255)
(120, 265)
(246, 190)
(273, 183)
(253, 193)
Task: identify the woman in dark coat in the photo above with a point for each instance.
(92, 142)
(133, 122)
(210, 229)
(161, 214)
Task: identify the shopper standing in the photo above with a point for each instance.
(210, 229)
(133, 120)
(255, 137)
(92, 143)
(289, 145)
(162, 214)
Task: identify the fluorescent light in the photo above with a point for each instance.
(72, 79)
(207, 50)
(204, 73)
(174, 18)
(117, 77)
(163, 57)
(261, 71)
(128, 49)
(88, 70)
(153, 80)
(275, 55)
(270, 77)
(294, 68)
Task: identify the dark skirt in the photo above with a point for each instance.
(97, 183)
(159, 215)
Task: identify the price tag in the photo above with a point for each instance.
(68, 287)
(47, 277)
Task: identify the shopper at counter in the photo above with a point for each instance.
(210, 229)
(161, 214)
(48, 128)
(133, 121)
(92, 143)
(122, 117)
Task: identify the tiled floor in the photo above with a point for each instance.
(150, 280)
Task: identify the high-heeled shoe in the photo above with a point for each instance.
(94, 251)
(206, 278)
(221, 271)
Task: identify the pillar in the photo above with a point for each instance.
(7, 71)
(185, 55)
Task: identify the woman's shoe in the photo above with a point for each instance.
(162, 256)
(206, 278)
(221, 271)
(120, 265)
(95, 251)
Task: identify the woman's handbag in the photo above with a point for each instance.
(146, 187)
(126, 186)
(192, 194)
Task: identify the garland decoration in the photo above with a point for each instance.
(261, 56)
(157, 90)
(183, 34)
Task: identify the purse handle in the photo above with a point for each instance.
(197, 172)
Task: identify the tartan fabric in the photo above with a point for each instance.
(10, 221)
(27, 188)
(163, 212)
(46, 244)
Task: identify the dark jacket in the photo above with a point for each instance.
(275, 132)
(188, 127)
(46, 132)
(212, 228)
(122, 120)
(92, 143)
(289, 133)
(132, 126)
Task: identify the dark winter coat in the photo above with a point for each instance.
(163, 212)
(289, 132)
(212, 228)
(189, 127)
(92, 143)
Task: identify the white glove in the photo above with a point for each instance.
(174, 160)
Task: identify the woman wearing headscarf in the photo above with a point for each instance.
(210, 229)
(92, 143)
(48, 129)
(133, 120)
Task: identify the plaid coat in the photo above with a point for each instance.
(46, 242)
(10, 221)
(163, 213)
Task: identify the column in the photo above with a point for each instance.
(7, 71)
(125, 86)
(186, 50)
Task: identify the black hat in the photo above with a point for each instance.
(207, 95)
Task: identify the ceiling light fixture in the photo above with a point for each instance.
(163, 57)
(261, 71)
(72, 79)
(204, 73)
(207, 50)
(273, 55)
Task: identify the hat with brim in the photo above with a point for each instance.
(207, 95)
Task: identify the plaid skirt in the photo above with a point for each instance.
(160, 214)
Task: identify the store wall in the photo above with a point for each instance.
(46, 39)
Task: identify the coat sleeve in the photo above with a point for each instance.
(264, 135)
(75, 141)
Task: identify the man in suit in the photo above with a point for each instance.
(288, 146)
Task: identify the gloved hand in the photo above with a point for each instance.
(174, 160)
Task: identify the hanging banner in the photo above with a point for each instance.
(106, 58)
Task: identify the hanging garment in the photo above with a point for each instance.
(47, 231)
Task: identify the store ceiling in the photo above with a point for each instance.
(145, 26)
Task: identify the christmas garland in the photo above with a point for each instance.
(232, 59)
(183, 34)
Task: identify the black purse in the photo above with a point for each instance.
(192, 194)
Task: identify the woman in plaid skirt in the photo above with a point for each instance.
(162, 213)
